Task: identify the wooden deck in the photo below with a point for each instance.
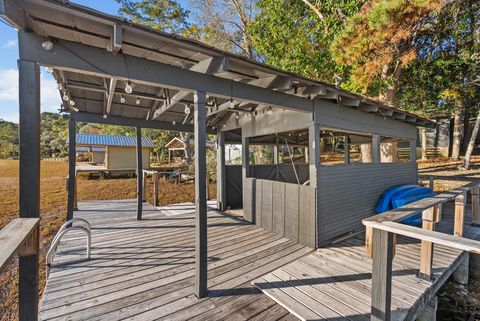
(144, 270)
(335, 283)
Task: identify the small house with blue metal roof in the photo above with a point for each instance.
(116, 153)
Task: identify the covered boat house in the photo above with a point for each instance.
(332, 154)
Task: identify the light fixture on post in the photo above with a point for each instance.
(128, 88)
(137, 101)
(48, 45)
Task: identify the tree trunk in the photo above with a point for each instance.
(466, 129)
(423, 132)
(457, 130)
(471, 144)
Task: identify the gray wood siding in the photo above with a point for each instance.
(285, 209)
(349, 193)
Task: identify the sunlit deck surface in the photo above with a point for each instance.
(144, 270)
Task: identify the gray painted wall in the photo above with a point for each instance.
(285, 209)
(349, 193)
(285, 172)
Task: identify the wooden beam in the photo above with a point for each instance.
(199, 122)
(72, 146)
(18, 237)
(210, 66)
(382, 243)
(221, 179)
(29, 196)
(111, 93)
(452, 241)
(138, 131)
(132, 122)
(116, 41)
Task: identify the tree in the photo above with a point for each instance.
(164, 15)
(9, 139)
(54, 135)
(297, 39)
(224, 24)
(378, 42)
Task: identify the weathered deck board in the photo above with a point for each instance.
(335, 283)
(144, 270)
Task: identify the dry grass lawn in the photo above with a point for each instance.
(53, 200)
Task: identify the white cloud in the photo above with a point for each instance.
(50, 98)
(10, 44)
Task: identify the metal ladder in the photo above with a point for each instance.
(64, 229)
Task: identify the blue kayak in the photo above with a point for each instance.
(384, 204)
(402, 195)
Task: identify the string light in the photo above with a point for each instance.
(137, 101)
(72, 103)
(122, 99)
(105, 116)
(128, 88)
(174, 122)
(65, 96)
(187, 110)
(47, 45)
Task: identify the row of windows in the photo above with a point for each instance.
(336, 148)
(345, 148)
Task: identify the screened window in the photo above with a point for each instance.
(341, 148)
(394, 150)
(261, 154)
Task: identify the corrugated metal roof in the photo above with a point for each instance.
(111, 140)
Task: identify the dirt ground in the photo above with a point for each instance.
(53, 200)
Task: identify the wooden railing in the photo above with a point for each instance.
(381, 231)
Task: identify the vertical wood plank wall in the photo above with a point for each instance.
(283, 208)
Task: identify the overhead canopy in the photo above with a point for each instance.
(96, 57)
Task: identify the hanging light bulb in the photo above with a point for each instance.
(237, 116)
(75, 109)
(49, 69)
(187, 110)
(65, 96)
(59, 86)
(174, 122)
(122, 99)
(47, 45)
(128, 88)
(72, 103)
(137, 101)
(105, 116)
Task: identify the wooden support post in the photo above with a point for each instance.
(431, 181)
(139, 173)
(382, 244)
(250, 217)
(156, 186)
(376, 149)
(207, 185)
(75, 193)
(413, 151)
(72, 143)
(426, 248)
(29, 197)
(199, 120)
(221, 179)
(460, 202)
(144, 190)
(368, 242)
(276, 158)
(475, 206)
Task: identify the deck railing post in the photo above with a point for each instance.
(29, 196)
(430, 216)
(156, 182)
(199, 121)
(382, 245)
(475, 206)
(144, 191)
(460, 202)
(139, 173)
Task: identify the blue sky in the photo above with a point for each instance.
(8, 66)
